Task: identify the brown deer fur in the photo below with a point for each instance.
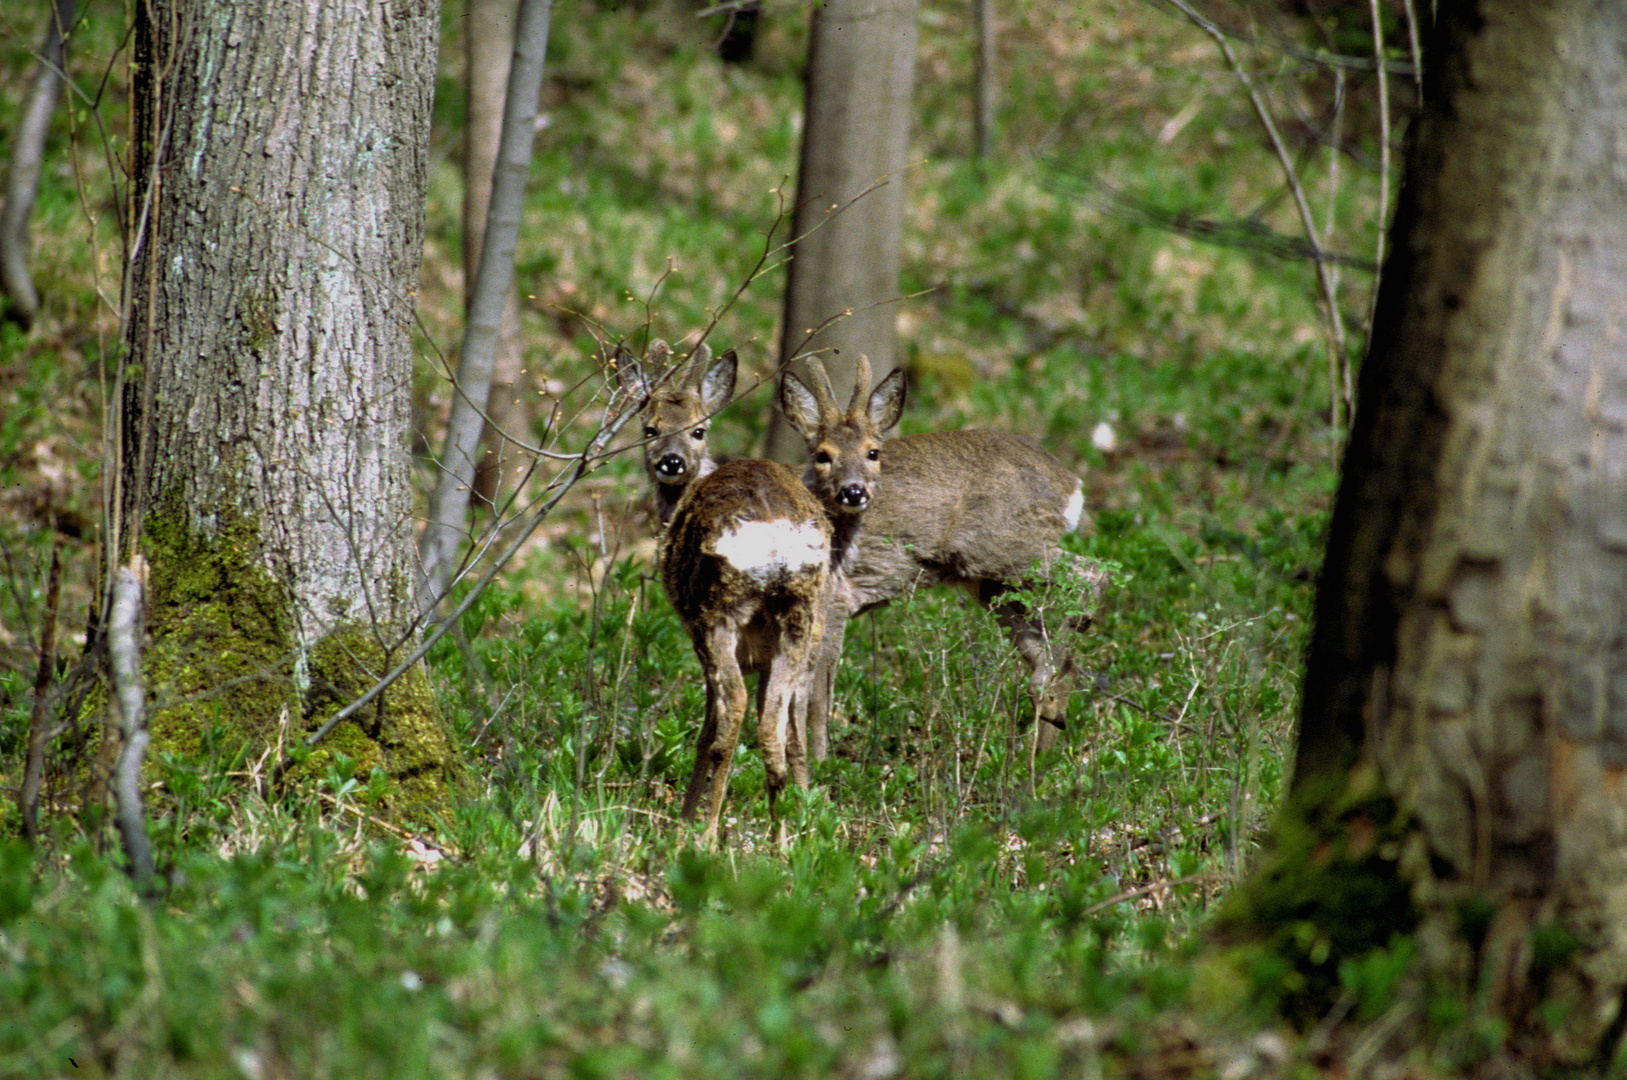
(746, 564)
(981, 510)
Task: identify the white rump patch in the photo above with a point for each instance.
(1075, 508)
(1103, 437)
(760, 547)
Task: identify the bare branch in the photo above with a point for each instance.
(1335, 324)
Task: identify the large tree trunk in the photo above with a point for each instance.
(861, 77)
(279, 223)
(1470, 651)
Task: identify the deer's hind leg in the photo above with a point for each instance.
(821, 696)
(720, 732)
(783, 714)
(1051, 670)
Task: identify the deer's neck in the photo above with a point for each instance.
(844, 539)
(666, 501)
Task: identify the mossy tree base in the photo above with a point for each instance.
(223, 657)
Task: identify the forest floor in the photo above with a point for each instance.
(941, 910)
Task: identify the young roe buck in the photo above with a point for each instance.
(747, 564)
(981, 510)
(679, 405)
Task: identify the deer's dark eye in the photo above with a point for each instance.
(698, 434)
(874, 454)
(650, 432)
(821, 457)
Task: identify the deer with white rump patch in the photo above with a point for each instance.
(981, 510)
(678, 410)
(747, 565)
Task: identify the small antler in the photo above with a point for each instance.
(824, 394)
(859, 406)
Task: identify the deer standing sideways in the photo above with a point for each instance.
(980, 510)
(746, 562)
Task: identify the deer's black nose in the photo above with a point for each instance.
(671, 465)
(855, 496)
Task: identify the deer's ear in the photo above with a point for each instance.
(717, 385)
(800, 406)
(887, 402)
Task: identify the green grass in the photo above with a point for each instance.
(932, 916)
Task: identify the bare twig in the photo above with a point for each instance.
(1140, 891)
(1294, 51)
(732, 7)
(1339, 356)
(1383, 165)
(1334, 386)
(1412, 41)
(1245, 233)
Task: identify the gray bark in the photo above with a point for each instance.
(124, 653)
(449, 505)
(850, 193)
(1471, 629)
(275, 301)
(277, 233)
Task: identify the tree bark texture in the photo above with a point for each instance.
(282, 165)
(1471, 625)
(849, 222)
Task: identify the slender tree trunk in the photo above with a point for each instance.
(983, 97)
(1470, 650)
(278, 235)
(850, 194)
(447, 526)
(488, 48)
(23, 170)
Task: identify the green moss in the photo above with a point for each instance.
(220, 649)
(222, 654)
(401, 731)
(1328, 891)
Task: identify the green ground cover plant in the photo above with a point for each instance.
(941, 910)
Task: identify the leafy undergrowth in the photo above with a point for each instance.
(944, 907)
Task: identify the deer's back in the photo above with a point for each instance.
(959, 506)
(747, 541)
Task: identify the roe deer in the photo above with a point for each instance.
(747, 565)
(977, 509)
(678, 411)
